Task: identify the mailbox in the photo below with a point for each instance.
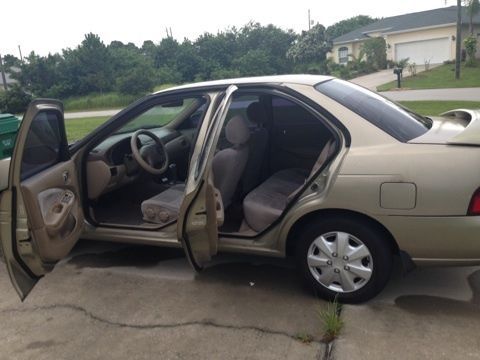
(398, 71)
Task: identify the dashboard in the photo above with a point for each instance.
(110, 165)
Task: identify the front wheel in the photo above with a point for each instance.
(345, 259)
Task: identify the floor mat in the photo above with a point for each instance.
(233, 218)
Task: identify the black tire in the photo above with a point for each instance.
(380, 250)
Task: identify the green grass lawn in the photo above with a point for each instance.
(442, 76)
(105, 101)
(98, 102)
(163, 87)
(437, 107)
(78, 128)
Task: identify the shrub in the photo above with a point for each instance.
(14, 100)
(470, 48)
(402, 63)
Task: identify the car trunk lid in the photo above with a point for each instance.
(455, 127)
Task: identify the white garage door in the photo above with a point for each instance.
(435, 50)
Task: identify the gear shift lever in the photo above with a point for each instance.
(173, 174)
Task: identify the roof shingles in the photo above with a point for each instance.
(435, 17)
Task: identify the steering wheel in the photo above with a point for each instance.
(153, 158)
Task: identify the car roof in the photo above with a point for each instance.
(303, 79)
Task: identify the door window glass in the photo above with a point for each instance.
(43, 143)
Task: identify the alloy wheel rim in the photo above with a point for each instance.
(340, 262)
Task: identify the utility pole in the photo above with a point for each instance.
(458, 49)
(4, 79)
(20, 51)
(309, 22)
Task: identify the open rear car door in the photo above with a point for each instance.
(201, 211)
(41, 217)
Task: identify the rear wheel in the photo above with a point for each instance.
(345, 259)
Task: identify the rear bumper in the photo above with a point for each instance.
(445, 240)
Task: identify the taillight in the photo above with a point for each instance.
(474, 207)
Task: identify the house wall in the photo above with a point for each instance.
(428, 34)
(353, 48)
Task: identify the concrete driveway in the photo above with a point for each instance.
(117, 302)
(432, 313)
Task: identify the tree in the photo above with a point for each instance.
(272, 41)
(253, 63)
(217, 51)
(93, 65)
(375, 50)
(133, 71)
(345, 26)
(187, 61)
(138, 81)
(10, 61)
(15, 100)
(311, 46)
(473, 8)
(166, 52)
(39, 74)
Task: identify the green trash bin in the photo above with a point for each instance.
(8, 132)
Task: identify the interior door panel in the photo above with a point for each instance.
(54, 211)
(40, 213)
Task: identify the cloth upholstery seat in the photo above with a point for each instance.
(228, 165)
(264, 204)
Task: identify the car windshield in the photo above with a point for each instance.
(161, 115)
(396, 120)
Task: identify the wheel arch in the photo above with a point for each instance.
(296, 228)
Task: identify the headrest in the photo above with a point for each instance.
(256, 113)
(237, 131)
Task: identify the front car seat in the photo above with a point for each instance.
(228, 165)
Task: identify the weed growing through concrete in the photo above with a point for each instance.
(331, 321)
(304, 338)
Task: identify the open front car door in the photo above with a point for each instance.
(201, 211)
(41, 217)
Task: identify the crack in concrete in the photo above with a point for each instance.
(209, 323)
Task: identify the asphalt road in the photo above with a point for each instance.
(114, 301)
(86, 114)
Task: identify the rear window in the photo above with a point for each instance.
(397, 121)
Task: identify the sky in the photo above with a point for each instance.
(47, 26)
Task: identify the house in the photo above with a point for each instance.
(422, 36)
(8, 79)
